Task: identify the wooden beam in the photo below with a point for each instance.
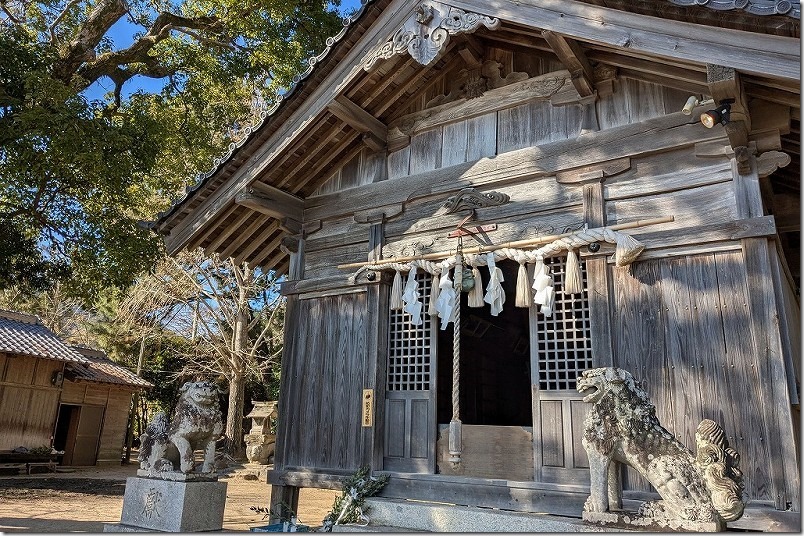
(276, 207)
(266, 250)
(321, 157)
(669, 72)
(573, 58)
(327, 161)
(199, 238)
(793, 100)
(227, 231)
(288, 174)
(725, 85)
(780, 56)
(356, 117)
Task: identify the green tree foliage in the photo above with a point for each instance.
(76, 175)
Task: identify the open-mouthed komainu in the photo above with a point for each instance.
(197, 422)
(622, 427)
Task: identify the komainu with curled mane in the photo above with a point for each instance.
(169, 445)
(622, 427)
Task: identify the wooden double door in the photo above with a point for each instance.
(522, 417)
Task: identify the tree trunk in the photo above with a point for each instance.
(234, 418)
(237, 377)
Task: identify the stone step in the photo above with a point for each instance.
(371, 528)
(440, 517)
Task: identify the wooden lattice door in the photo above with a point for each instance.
(561, 349)
(410, 391)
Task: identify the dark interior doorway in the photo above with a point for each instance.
(66, 430)
(495, 385)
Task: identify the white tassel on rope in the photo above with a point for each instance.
(573, 278)
(475, 297)
(446, 299)
(411, 298)
(432, 307)
(495, 296)
(396, 292)
(523, 297)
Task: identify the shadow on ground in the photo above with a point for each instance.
(19, 524)
(34, 488)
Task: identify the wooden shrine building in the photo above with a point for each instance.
(426, 124)
(56, 396)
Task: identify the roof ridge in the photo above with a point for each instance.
(18, 316)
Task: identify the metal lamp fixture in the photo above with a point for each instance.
(718, 116)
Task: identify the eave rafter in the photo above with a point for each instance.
(375, 132)
(571, 55)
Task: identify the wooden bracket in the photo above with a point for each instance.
(379, 215)
(271, 201)
(571, 55)
(725, 85)
(359, 119)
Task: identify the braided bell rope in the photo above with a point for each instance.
(456, 344)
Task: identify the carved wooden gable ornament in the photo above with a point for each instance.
(426, 33)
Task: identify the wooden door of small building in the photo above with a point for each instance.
(82, 433)
(410, 395)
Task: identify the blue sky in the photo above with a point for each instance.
(122, 34)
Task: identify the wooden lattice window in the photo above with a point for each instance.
(410, 347)
(564, 346)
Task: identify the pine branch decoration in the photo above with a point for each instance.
(349, 506)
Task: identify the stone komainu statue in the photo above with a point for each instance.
(622, 427)
(169, 445)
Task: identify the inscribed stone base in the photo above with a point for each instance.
(630, 520)
(169, 506)
(178, 476)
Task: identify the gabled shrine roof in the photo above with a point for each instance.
(277, 157)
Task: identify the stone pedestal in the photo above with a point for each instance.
(156, 504)
(632, 521)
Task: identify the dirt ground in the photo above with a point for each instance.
(83, 500)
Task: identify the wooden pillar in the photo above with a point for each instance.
(284, 503)
(376, 355)
(597, 278)
(777, 429)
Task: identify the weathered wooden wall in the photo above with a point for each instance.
(115, 401)
(683, 327)
(325, 367)
(28, 401)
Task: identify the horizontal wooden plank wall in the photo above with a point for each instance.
(323, 410)
(28, 401)
(682, 327)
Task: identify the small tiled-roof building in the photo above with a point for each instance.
(52, 394)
